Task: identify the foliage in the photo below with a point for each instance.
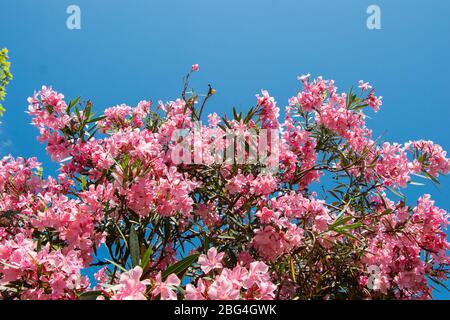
(5, 76)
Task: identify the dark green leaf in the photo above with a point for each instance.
(72, 104)
(146, 258)
(180, 267)
(340, 221)
(134, 247)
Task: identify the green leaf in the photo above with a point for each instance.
(349, 227)
(72, 104)
(249, 116)
(433, 179)
(334, 194)
(10, 213)
(225, 236)
(348, 235)
(96, 119)
(235, 113)
(134, 248)
(226, 123)
(237, 116)
(83, 183)
(5, 76)
(440, 283)
(77, 112)
(116, 265)
(397, 193)
(205, 241)
(90, 295)
(180, 267)
(236, 221)
(349, 98)
(146, 258)
(416, 183)
(386, 212)
(340, 221)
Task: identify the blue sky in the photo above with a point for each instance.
(127, 51)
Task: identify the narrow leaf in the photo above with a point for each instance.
(89, 295)
(134, 248)
(146, 258)
(180, 267)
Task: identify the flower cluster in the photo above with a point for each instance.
(260, 206)
(252, 283)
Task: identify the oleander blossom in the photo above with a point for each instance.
(166, 289)
(130, 286)
(260, 205)
(195, 67)
(253, 283)
(210, 261)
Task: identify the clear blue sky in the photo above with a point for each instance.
(131, 50)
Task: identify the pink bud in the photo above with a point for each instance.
(195, 67)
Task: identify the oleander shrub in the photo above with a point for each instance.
(296, 204)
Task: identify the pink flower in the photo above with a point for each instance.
(263, 185)
(210, 261)
(375, 102)
(265, 215)
(236, 184)
(223, 289)
(434, 159)
(213, 119)
(393, 166)
(257, 273)
(245, 259)
(130, 286)
(166, 288)
(195, 68)
(364, 85)
(195, 293)
(270, 111)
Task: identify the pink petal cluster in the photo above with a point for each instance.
(393, 166)
(253, 283)
(279, 234)
(396, 249)
(430, 158)
(195, 67)
(210, 261)
(130, 286)
(166, 289)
